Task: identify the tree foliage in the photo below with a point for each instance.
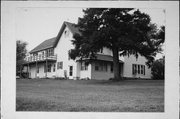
(20, 54)
(158, 68)
(125, 31)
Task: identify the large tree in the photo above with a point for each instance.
(20, 54)
(125, 31)
(158, 68)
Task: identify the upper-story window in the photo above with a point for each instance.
(49, 52)
(66, 33)
(43, 54)
(35, 54)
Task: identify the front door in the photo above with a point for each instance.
(70, 72)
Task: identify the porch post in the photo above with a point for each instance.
(46, 67)
(36, 67)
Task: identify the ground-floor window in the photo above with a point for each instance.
(70, 70)
(49, 68)
(138, 69)
(111, 67)
(60, 65)
(84, 66)
(54, 67)
(101, 66)
(37, 69)
(44, 68)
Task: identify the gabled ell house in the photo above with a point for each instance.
(50, 59)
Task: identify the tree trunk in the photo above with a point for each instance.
(116, 68)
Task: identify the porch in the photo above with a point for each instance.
(100, 68)
(40, 67)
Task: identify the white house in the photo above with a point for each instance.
(51, 59)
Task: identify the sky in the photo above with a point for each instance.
(34, 25)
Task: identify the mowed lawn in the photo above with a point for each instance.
(90, 95)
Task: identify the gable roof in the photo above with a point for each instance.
(52, 42)
(49, 43)
(73, 28)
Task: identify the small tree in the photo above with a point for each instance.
(158, 68)
(125, 31)
(20, 55)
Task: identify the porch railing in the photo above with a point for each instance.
(41, 58)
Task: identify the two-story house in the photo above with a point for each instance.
(50, 59)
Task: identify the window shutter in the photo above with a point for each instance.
(132, 68)
(144, 70)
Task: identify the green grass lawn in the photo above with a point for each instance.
(90, 96)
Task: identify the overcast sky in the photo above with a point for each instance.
(34, 25)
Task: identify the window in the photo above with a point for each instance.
(49, 68)
(138, 69)
(133, 68)
(101, 66)
(66, 33)
(105, 67)
(60, 65)
(49, 52)
(69, 57)
(44, 68)
(84, 66)
(111, 67)
(43, 54)
(54, 67)
(101, 50)
(70, 70)
(39, 56)
(96, 68)
(38, 69)
(142, 69)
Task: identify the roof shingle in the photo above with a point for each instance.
(44, 45)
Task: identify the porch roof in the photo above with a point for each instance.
(106, 58)
(101, 57)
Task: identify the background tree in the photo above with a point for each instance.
(158, 68)
(125, 31)
(20, 54)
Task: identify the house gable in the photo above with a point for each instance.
(52, 42)
(72, 28)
